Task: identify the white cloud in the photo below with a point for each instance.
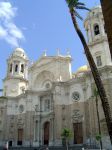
(14, 31)
(3, 32)
(8, 30)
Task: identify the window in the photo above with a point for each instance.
(16, 68)
(96, 29)
(76, 96)
(10, 67)
(22, 68)
(98, 61)
(47, 104)
(21, 108)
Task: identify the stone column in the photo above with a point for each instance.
(51, 139)
(19, 68)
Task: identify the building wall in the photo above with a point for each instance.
(107, 12)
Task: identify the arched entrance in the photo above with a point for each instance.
(78, 133)
(20, 137)
(46, 133)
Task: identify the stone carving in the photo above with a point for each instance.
(20, 123)
(77, 116)
(58, 90)
(36, 108)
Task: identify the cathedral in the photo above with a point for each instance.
(41, 99)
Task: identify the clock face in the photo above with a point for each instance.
(76, 96)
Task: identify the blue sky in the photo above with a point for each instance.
(38, 25)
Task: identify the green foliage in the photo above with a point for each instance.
(75, 4)
(98, 137)
(66, 133)
(3, 97)
(95, 92)
(72, 3)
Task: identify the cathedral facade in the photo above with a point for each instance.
(42, 99)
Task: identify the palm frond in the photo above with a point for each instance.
(80, 3)
(77, 15)
(75, 4)
(72, 3)
(82, 7)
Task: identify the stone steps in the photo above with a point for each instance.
(75, 147)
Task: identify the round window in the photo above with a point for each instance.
(47, 84)
(76, 96)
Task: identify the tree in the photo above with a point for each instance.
(73, 5)
(66, 135)
(98, 136)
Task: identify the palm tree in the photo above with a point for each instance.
(73, 5)
(98, 137)
(66, 135)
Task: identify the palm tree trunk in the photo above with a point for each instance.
(98, 117)
(96, 76)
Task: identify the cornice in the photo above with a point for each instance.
(52, 58)
(40, 93)
(97, 41)
(15, 78)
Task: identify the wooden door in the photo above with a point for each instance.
(20, 136)
(46, 133)
(78, 133)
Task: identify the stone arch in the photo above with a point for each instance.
(42, 77)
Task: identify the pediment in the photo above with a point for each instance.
(41, 62)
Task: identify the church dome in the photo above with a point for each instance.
(82, 69)
(19, 52)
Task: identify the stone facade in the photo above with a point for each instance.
(40, 100)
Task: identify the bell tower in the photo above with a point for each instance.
(16, 81)
(97, 37)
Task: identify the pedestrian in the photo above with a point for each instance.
(6, 146)
(47, 148)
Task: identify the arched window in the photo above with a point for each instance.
(10, 67)
(99, 61)
(22, 68)
(16, 68)
(96, 29)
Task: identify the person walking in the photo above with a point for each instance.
(6, 146)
